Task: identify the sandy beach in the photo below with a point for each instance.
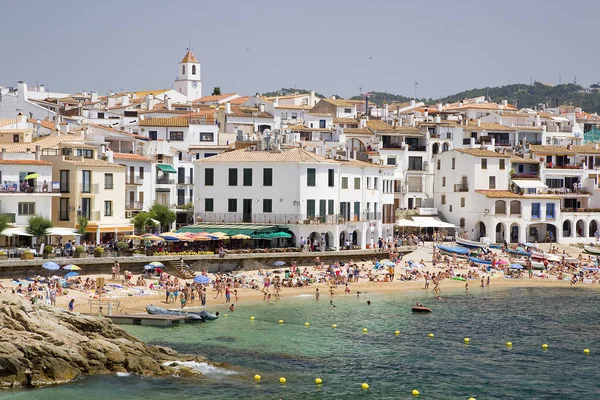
(134, 300)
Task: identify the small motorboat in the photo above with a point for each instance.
(592, 250)
(480, 261)
(420, 309)
(470, 243)
(201, 316)
(451, 250)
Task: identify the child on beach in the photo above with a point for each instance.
(467, 286)
(317, 294)
(182, 300)
(237, 299)
(72, 305)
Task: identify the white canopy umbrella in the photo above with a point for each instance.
(62, 232)
(17, 231)
(405, 223)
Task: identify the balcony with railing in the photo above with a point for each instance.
(89, 188)
(164, 180)
(134, 180)
(461, 187)
(134, 205)
(535, 175)
(162, 159)
(14, 187)
(10, 217)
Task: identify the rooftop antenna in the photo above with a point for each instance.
(366, 96)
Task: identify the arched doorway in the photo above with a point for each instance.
(500, 233)
(580, 228)
(593, 228)
(315, 241)
(541, 233)
(480, 230)
(329, 240)
(566, 228)
(344, 235)
(355, 145)
(356, 238)
(435, 149)
(514, 233)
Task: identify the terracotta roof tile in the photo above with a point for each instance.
(108, 129)
(189, 57)
(548, 149)
(46, 142)
(357, 131)
(25, 162)
(93, 163)
(482, 153)
(294, 107)
(487, 126)
(218, 97)
(528, 128)
(170, 122)
(351, 121)
(7, 121)
(379, 126)
(521, 160)
(130, 157)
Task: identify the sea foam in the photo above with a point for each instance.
(202, 367)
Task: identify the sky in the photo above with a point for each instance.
(330, 46)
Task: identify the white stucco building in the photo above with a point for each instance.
(307, 194)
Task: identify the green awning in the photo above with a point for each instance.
(166, 168)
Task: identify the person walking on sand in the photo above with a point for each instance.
(227, 294)
(317, 294)
(203, 297)
(427, 281)
(467, 287)
(488, 282)
(72, 305)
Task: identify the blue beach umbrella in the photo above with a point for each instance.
(279, 263)
(591, 269)
(51, 266)
(390, 263)
(71, 274)
(148, 267)
(201, 279)
(156, 264)
(516, 266)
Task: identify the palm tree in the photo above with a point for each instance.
(37, 226)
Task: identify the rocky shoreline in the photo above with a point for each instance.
(41, 345)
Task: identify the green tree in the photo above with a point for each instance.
(163, 215)
(37, 226)
(142, 221)
(4, 221)
(216, 91)
(82, 223)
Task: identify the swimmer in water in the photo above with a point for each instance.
(232, 307)
(368, 302)
(357, 294)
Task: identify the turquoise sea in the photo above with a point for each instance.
(442, 367)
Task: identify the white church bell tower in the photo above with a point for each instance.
(188, 80)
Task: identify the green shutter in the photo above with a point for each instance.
(310, 208)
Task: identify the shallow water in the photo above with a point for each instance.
(443, 367)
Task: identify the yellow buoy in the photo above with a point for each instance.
(306, 324)
(365, 330)
(397, 333)
(281, 321)
(509, 344)
(472, 398)
(365, 386)
(467, 340)
(225, 315)
(586, 351)
(430, 335)
(334, 326)
(282, 380)
(251, 318)
(415, 392)
(318, 381)
(544, 346)
(257, 378)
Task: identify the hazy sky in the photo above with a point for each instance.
(333, 47)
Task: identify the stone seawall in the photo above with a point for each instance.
(16, 268)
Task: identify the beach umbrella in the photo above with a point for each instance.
(152, 238)
(148, 267)
(516, 266)
(407, 268)
(201, 279)
(170, 237)
(51, 266)
(32, 176)
(156, 264)
(416, 265)
(240, 236)
(503, 262)
(72, 267)
(278, 263)
(390, 263)
(71, 274)
(590, 269)
(134, 237)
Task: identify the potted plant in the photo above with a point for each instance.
(3, 255)
(48, 252)
(79, 252)
(98, 251)
(122, 248)
(27, 255)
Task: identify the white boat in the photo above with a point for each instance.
(535, 264)
(470, 243)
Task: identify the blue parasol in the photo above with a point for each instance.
(516, 266)
(51, 266)
(71, 274)
(279, 263)
(148, 267)
(201, 279)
